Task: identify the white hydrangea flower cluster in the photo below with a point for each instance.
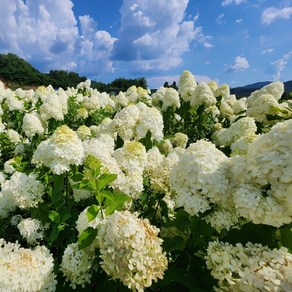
(120, 100)
(180, 140)
(240, 146)
(222, 219)
(103, 149)
(54, 106)
(32, 230)
(202, 95)
(131, 251)
(223, 91)
(78, 265)
(131, 160)
(83, 132)
(167, 97)
(268, 162)
(158, 169)
(186, 85)
(264, 102)
(125, 121)
(13, 136)
(200, 177)
(32, 124)
(135, 94)
(97, 100)
(13, 102)
(26, 270)
(252, 267)
(134, 121)
(244, 127)
(59, 151)
(21, 190)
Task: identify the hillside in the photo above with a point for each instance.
(16, 72)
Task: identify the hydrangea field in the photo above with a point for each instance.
(172, 190)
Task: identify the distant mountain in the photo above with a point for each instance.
(248, 89)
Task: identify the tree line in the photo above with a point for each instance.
(19, 73)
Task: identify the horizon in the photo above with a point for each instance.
(231, 41)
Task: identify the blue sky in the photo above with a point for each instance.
(237, 42)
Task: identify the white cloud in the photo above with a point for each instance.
(238, 20)
(271, 14)
(268, 51)
(240, 64)
(279, 65)
(220, 18)
(45, 33)
(155, 36)
(227, 2)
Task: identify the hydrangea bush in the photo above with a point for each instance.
(187, 190)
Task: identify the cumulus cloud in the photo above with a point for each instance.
(240, 64)
(271, 14)
(154, 36)
(279, 65)
(45, 33)
(227, 2)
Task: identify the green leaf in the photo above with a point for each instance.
(77, 177)
(117, 203)
(84, 185)
(105, 179)
(286, 237)
(86, 237)
(92, 212)
(173, 244)
(54, 216)
(54, 233)
(58, 186)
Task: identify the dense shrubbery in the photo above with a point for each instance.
(186, 189)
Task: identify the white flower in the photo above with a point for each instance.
(252, 267)
(223, 91)
(262, 106)
(83, 132)
(13, 136)
(241, 128)
(168, 97)
(276, 89)
(61, 150)
(180, 140)
(150, 119)
(131, 251)
(125, 121)
(186, 85)
(202, 95)
(200, 177)
(26, 270)
(158, 170)
(32, 124)
(31, 229)
(77, 265)
(131, 159)
(54, 106)
(222, 219)
(20, 191)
